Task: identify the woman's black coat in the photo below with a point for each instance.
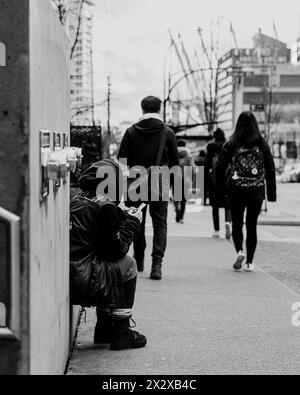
(216, 199)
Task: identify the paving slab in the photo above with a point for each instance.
(202, 318)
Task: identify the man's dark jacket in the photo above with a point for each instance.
(141, 143)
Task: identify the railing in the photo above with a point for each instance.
(11, 223)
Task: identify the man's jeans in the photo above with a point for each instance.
(159, 215)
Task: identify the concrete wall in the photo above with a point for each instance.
(35, 95)
(49, 222)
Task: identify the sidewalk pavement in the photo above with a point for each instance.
(275, 217)
(286, 211)
(202, 318)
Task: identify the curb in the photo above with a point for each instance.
(278, 223)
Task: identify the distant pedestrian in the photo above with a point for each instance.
(200, 161)
(102, 274)
(185, 161)
(217, 201)
(283, 155)
(250, 165)
(140, 147)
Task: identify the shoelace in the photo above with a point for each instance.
(134, 324)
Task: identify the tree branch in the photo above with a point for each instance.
(78, 29)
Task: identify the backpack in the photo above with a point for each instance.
(86, 271)
(247, 169)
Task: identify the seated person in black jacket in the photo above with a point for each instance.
(110, 231)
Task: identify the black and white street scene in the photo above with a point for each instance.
(149, 190)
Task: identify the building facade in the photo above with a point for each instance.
(296, 52)
(264, 80)
(80, 23)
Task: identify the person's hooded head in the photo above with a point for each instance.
(219, 135)
(103, 179)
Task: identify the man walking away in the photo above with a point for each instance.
(139, 147)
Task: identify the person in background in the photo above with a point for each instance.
(246, 169)
(283, 155)
(185, 160)
(200, 161)
(217, 200)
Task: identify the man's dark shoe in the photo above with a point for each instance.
(156, 273)
(103, 330)
(141, 266)
(124, 338)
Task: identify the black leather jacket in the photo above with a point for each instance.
(101, 226)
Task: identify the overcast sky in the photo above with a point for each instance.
(134, 33)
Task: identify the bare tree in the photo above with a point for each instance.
(207, 57)
(78, 30)
(62, 7)
(63, 10)
(80, 110)
(71, 15)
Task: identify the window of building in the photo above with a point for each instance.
(256, 81)
(290, 81)
(283, 98)
(3, 323)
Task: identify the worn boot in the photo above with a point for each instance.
(140, 265)
(124, 338)
(156, 273)
(104, 327)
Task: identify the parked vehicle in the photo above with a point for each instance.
(291, 173)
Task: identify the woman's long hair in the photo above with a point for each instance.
(247, 130)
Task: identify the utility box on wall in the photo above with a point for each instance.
(34, 97)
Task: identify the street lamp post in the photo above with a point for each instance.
(165, 78)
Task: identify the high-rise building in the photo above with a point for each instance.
(264, 80)
(296, 52)
(80, 22)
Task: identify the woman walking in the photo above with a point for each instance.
(217, 201)
(246, 169)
